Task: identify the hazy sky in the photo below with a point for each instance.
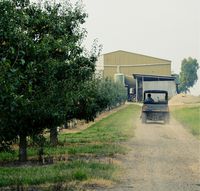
(168, 29)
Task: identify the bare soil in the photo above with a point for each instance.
(184, 100)
(162, 158)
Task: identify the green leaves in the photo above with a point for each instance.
(46, 78)
(41, 63)
(188, 74)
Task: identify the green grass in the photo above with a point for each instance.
(105, 138)
(190, 118)
(61, 172)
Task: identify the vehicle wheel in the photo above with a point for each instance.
(144, 117)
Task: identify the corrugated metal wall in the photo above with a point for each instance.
(169, 86)
(164, 69)
(124, 58)
(131, 63)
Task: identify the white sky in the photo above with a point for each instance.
(168, 29)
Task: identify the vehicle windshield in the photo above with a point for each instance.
(155, 98)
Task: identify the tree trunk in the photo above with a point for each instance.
(22, 148)
(53, 136)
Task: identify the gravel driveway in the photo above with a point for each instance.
(162, 158)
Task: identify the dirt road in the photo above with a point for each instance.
(162, 158)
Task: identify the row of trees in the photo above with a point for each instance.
(46, 76)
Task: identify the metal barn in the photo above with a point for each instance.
(122, 65)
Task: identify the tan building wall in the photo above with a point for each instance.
(130, 63)
(158, 69)
(124, 58)
(161, 69)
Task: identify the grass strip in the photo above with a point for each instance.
(190, 118)
(61, 172)
(103, 139)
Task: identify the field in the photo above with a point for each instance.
(189, 117)
(104, 155)
(86, 157)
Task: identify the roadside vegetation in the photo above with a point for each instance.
(88, 156)
(190, 118)
(47, 78)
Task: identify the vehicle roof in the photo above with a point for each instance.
(155, 91)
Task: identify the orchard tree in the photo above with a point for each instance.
(42, 64)
(110, 94)
(188, 75)
(99, 95)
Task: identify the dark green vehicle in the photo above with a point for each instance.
(155, 106)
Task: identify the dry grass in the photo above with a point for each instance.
(94, 183)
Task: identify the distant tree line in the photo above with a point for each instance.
(46, 76)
